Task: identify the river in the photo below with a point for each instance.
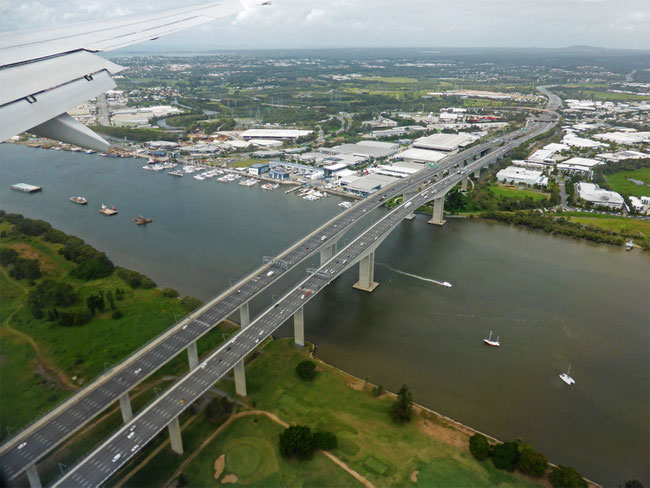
(553, 301)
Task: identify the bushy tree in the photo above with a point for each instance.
(566, 477)
(96, 302)
(531, 462)
(170, 293)
(401, 411)
(52, 293)
(297, 441)
(505, 456)
(325, 440)
(93, 269)
(191, 303)
(306, 370)
(479, 446)
(8, 256)
(135, 279)
(28, 269)
(218, 410)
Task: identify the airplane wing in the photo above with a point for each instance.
(44, 73)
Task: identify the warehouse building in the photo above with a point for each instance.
(283, 134)
(258, 169)
(582, 166)
(599, 197)
(422, 156)
(521, 176)
(368, 184)
(365, 149)
(444, 142)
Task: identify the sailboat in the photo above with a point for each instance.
(490, 342)
(566, 378)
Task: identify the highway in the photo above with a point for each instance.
(105, 460)
(36, 441)
(52, 429)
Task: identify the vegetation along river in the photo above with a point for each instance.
(553, 301)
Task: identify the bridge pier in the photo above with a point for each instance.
(193, 355)
(175, 438)
(463, 184)
(244, 316)
(299, 327)
(125, 407)
(327, 253)
(407, 196)
(438, 207)
(367, 274)
(32, 476)
(240, 378)
(477, 173)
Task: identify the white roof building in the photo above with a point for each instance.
(622, 155)
(625, 138)
(370, 183)
(423, 156)
(518, 176)
(364, 149)
(592, 193)
(275, 133)
(572, 140)
(543, 156)
(444, 142)
(266, 143)
(579, 165)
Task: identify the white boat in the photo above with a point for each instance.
(176, 173)
(346, 204)
(566, 378)
(490, 342)
(448, 285)
(198, 177)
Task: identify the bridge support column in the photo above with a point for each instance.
(175, 438)
(32, 476)
(408, 196)
(125, 407)
(438, 207)
(477, 173)
(299, 327)
(244, 316)
(193, 355)
(367, 274)
(327, 253)
(240, 378)
(463, 184)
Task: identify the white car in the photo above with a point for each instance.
(138, 371)
(131, 435)
(203, 365)
(323, 238)
(185, 327)
(132, 428)
(270, 273)
(21, 445)
(135, 448)
(117, 457)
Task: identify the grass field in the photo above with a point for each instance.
(607, 95)
(42, 363)
(387, 79)
(369, 442)
(620, 182)
(245, 163)
(504, 191)
(622, 225)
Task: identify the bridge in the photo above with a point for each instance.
(45, 434)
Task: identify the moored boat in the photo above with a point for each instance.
(79, 200)
(107, 211)
(566, 378)
(140, 220)
(492, 342)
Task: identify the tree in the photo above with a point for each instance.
(325, 440)
(170, 293)
(479, 446)
(566, 477)
(218, 410)
(96, 302)
(506, 456)
(297, 441)
(190, 303)
(401, 411)
(377, 390)
(530, 461)
(306, 370)
(8, 256)
(633, 484)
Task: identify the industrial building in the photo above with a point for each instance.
(365, 149)
(258, 169)
(422, 156)
(444, 142)
(621, 156)
(625, 138)
(597, 196)
(397, 131)
(368, 184)
(279, 174)
(282, 134)
(521, 176)
(578, 166)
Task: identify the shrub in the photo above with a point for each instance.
(377, 390)
(479, 446)
(74, 317)
(506, 456)
(297, 441)
(218, 410)
(170, 293)
(36, 312)
(325, 440)
(52, 293)
(117, 314)
(531, 462)
(96, 302)
(93, 269)
(566, 477)
(306, 370)
(8, 256)
(28, 269)
(191, 303)
(135, 279)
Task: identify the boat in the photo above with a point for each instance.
(345, 204)
(489, 341)
(79, 200)
(566, 378)
(271, 186)
(176, 173)
(107, 211)
(448, 285)
(140, 220)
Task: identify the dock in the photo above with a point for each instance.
(26, 188)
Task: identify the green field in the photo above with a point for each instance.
(606, 95)
(245, 163)
(250, 446)
(388, 79)
(369, 442)
(505, 191)
(622, 225)
(620, 182)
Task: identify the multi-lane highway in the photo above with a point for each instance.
(121, 446)
(44, 435)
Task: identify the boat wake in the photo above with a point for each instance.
(417, 277)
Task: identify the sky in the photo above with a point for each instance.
(373, 23)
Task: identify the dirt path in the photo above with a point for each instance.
(223, 426)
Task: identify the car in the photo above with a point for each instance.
(238, 291)
(135, 448)
(323, 238)
(117, 457)
(306, 294)
(257, 340)
(131, 435)
(21, 445)
(270, 273)
(276, 305)
(228, 348)
(183, 400)
(345, 261)
(307, 248)
(203, 365)
(138, 371)
(261, 332)
(132, 428)
(220, 361)
(185, 327)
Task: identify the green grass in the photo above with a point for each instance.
(368, 438)
(621, 225)
(504, 191)
(388, 79)
(606, 95)
(250, 445)
(245, 163)
(620, 182)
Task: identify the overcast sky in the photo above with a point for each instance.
(374, 23)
